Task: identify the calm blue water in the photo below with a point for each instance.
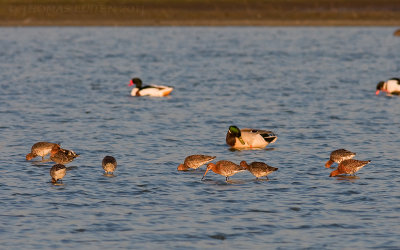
(314, 87)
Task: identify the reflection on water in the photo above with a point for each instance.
(314, 87)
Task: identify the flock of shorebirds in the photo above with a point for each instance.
(63, 156)
(236, 138)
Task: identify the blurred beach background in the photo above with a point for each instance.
(200, 12)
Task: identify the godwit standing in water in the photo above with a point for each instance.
(258, 169)
(338, 156)
(349, 167)
(40, 149)
(109, 164)
(249, 138)
(225, 168)
(195, 161)
(62, 156)
(57, 172)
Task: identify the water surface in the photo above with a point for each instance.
(314, 87)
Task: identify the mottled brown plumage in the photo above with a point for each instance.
(40, 149)
(195, 161)
(109, 164)
(258, 169)
(350, 166)
(57, 172)
(62, 156)
(224, 168)
(338, 156)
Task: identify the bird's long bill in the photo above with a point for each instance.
(328, 163)
(131, 83)
(205, 174)
(377, 92)
(241, 140)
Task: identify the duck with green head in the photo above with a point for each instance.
(249, 138)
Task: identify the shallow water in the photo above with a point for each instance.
(314, 87)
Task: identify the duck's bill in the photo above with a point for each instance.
(377, 92)
(241, 140)
(130, 83)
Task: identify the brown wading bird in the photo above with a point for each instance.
(258, 169)
(109, 164)
(195, 161)
(338, 156)
(40, 149)
(348, 167)
(62, 156)
(224, 168)
(57, 172)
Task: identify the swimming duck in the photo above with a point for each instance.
(40, 149)
(152, 90)
(348, 167)
(109, 164)
(391, 87)
(258, 169)
(249, 138)
(224, 168)
(62, 156)
(338, 156)
(195, 161)
(57, 172)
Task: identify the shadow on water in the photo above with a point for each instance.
(350, 178)
(72, 168)
(235, 181)
(59, 183)
(250, 149)
(109, 175)
(42, 162)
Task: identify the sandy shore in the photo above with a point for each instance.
(200, 13)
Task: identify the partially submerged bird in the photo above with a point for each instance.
(57, 172)
(69, 153)
(109, 164)
(40, 149)
(195, 161)
(249, 138)
(224, 168)
(151, 90)
(62, 156)
(348, 167)
(338, 156)
(258, 169)
(391, 87)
